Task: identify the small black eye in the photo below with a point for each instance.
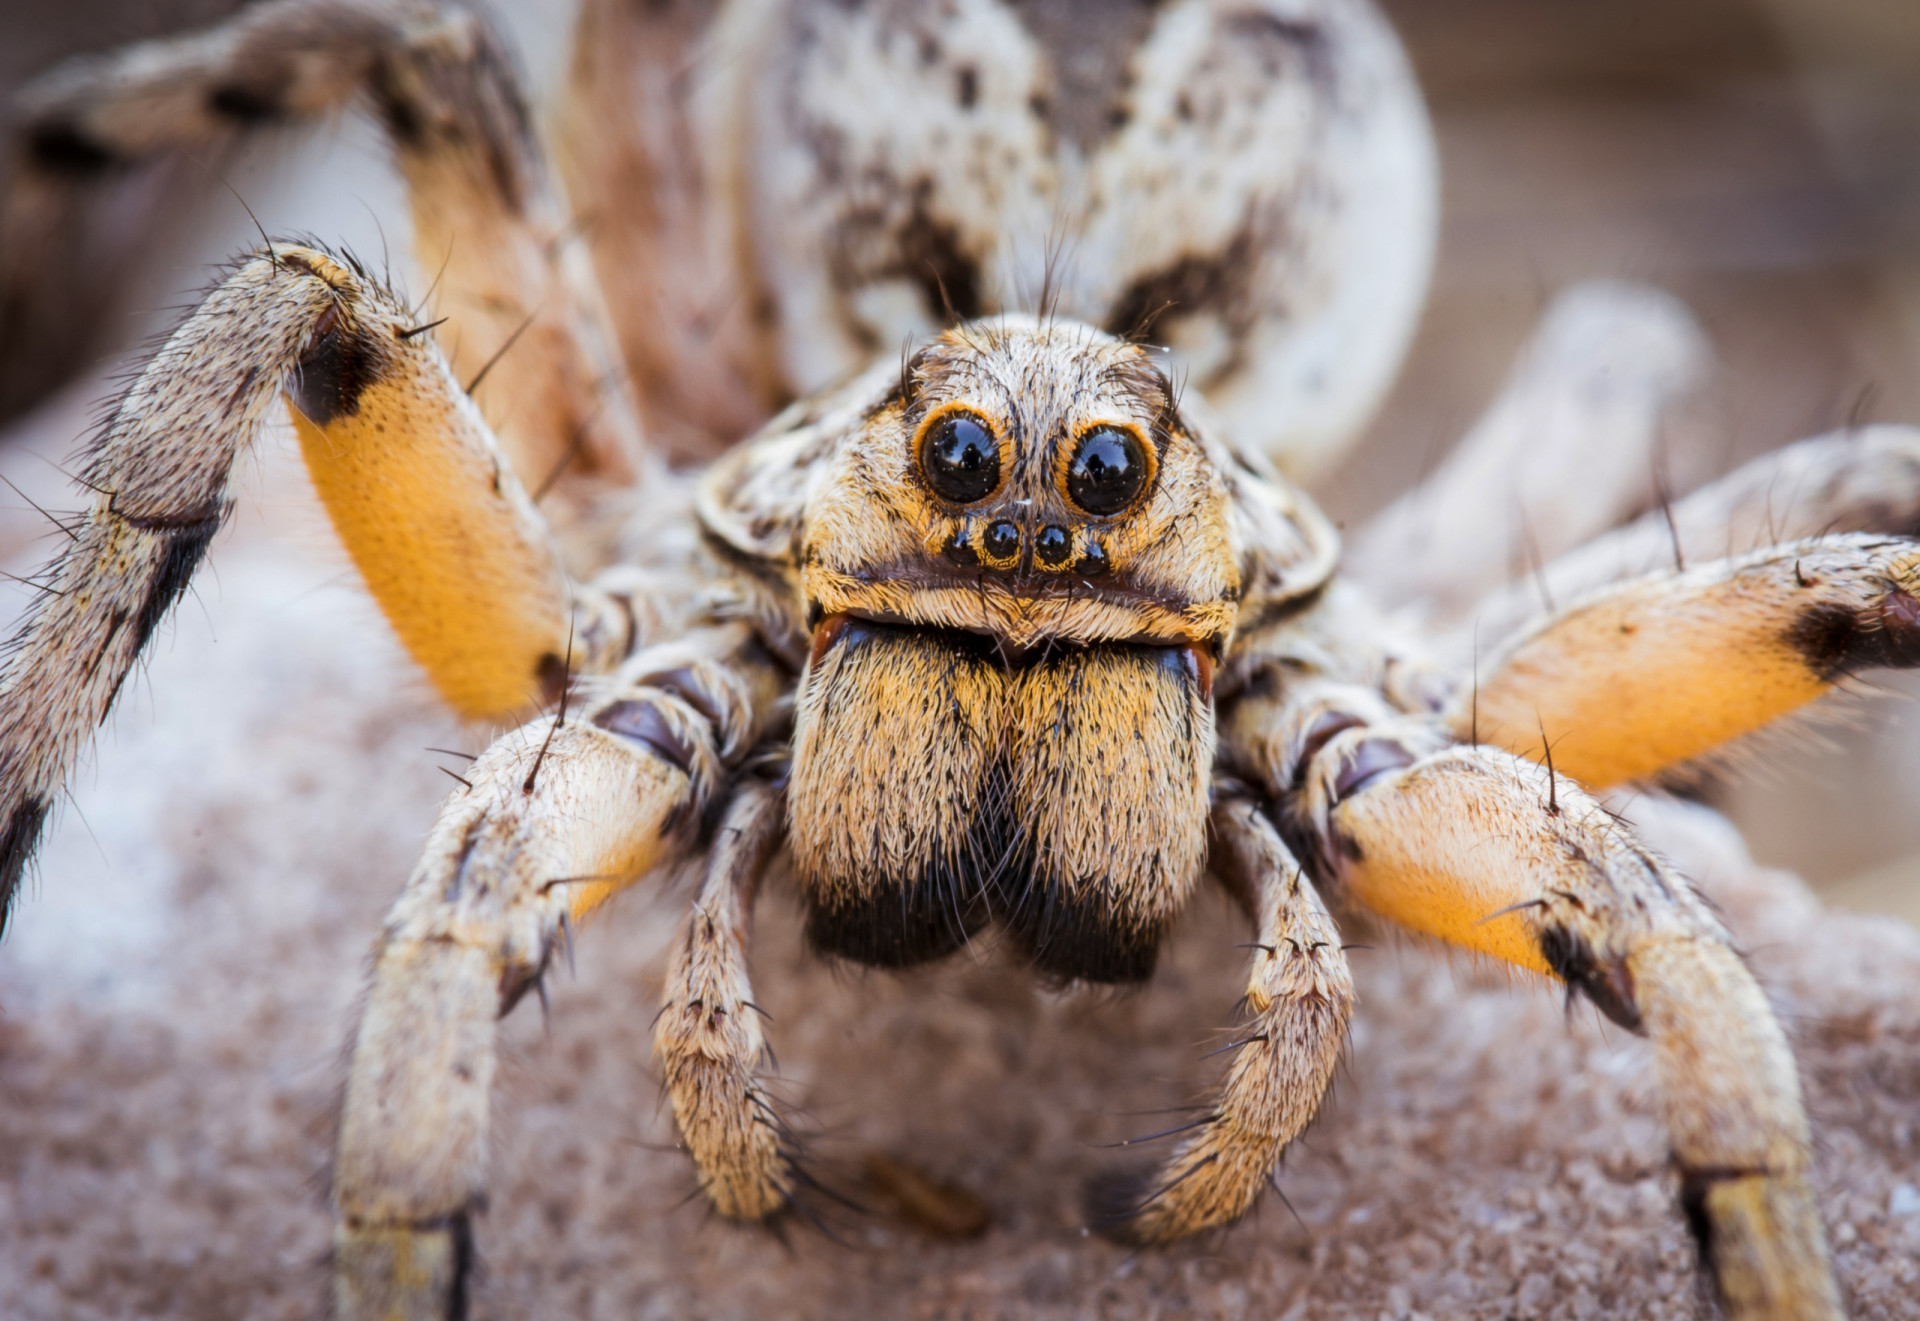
(1003, 540)
(1108, 470)
(960, 460)
(1052, 546)
(960, 548)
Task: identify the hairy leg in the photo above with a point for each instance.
(1865, 479)
(1663, 669)
(444, 535)
(1487, 851)
(707, 1037)
(1299, 999)
(489, 222)
(561, 814)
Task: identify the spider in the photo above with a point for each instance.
(986, 620)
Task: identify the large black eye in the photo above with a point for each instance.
(960, 460)
(1107, 471)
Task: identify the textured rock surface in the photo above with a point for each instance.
(174, 999)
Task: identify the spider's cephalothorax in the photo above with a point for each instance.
(1010, 632)
(1019, 563)
(1020, 573)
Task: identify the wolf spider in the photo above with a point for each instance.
(1008, 630)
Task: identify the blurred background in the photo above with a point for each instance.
(1759, 159)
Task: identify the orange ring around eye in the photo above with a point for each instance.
(1137, 448)
(960, 478)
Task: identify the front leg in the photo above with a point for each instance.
(1664, 669)
(1495, 854)
(1299, 997)
(707, 1037)
(560, 815)
(429, 509)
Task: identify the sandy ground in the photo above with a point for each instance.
(175, 995)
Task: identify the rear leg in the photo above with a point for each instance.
(1661, 670)
(1567, 450)
(633, 142)
(1862, 480)
(489, 220)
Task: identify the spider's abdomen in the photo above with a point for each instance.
(938, 789)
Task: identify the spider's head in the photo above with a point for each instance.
(1018, 565)
(1018, 562)
(1031, 482)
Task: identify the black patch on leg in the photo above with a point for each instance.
(1693, 1205)
(66, 150)
(1606, 982)
(402, 118)
(247, 105)
(472, 109)
(335, 371)
(1322, 856)
(517, 979)
(1836, 640)
(1695, 1184)
(187, 542)
(1318, 735)
(16, 850)
(463, 1263)
(551, 672)
(460, 1230)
